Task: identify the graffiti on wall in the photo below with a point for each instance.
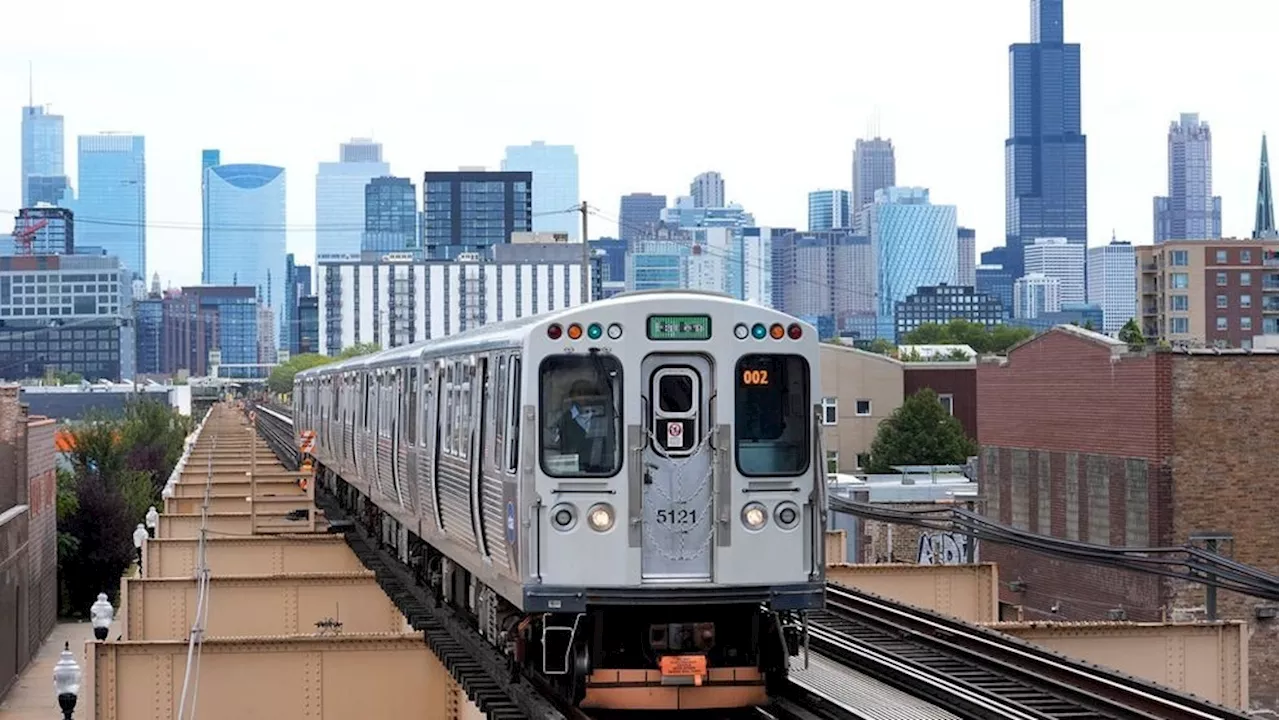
(943, 548)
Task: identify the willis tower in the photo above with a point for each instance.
(1044, 157)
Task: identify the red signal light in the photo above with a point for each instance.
(554, 331)
(794, 332)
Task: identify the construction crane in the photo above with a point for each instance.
(24, 236)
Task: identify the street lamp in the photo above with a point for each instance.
(102, 614)
(66, 681)
(139, 534)
(153, 518)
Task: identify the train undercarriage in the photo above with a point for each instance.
(610, 656)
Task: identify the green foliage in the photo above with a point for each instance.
(118, 467)
(998, 339)
(281, 379)
(1131, 334)
(920, 432)
(880, 346)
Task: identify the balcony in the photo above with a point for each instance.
(1150, 310)
(1149, 267)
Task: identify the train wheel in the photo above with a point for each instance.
(573, 684)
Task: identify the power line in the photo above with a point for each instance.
(242, 227)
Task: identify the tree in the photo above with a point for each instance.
(280, 381)
(1132, 335)
(102, 529)
(880, 346)
(996, 339)
(920, 432)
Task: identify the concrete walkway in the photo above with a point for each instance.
(32, 698)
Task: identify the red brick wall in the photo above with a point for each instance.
(960, 383)
(1225, 422)
(42, 547)
(1069, 437)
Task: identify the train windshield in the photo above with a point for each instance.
(581, 417)
(772, 423)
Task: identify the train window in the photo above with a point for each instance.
(581, 415)
(497, 413)
(675, 393)
(412, 420)
(771, 424)
(513, 419)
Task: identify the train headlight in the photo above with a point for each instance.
(754, 516)
(564, 516)
(787, 514)
(600, 517)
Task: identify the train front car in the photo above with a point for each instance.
(676, 485)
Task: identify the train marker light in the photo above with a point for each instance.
(554, 331)
(754, 516)
(758, 331)
(594, 331)
(615, 331)
(776, 331)
(575, 331)
(564, 516)
(794, 332)
(787, 514)
(740, 331)
(600, 517)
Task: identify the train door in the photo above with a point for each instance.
(677, 525)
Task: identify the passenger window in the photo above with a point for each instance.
(513, 431)
(675, 393)
(413, 407)
(771, 422)
(581, 416)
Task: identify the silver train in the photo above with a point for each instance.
(626, 494)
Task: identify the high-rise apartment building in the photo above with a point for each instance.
(1113, 284)
(914, 242)
(830, 274)
(474, 210)
(208, 158)
(1209, 293)
(245, 234)
(1061, 259)
(390, 216)
(966, 256)
(829, 210)
(1044, 156)
(340, 200)
(940, 304)
(707, 190)
(42, 148)
(555, 185)
(42, 230)
(1036, 294)
(874, 168)
(111, 211)
(1264, 218)
(638, 214)
(1190, 211)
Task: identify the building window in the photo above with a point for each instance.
(1221, 257)
(1246, 257)
(833, 461)
(1246, 301)
(1179, 326)
(1246, 279)
(1222, 279)
(830, 411)
(863, 460)
(1222, 323)
(1246, 323)
(1178, 302)
(1178, 258)
(948, 403)
(1179, 281)
(1222, 302)
(862, 408)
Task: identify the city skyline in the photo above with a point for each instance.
(298, 118)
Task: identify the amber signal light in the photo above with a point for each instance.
(776, 332)
(575, 331)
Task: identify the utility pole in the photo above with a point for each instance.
(586, 255)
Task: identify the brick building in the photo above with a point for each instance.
(28, 535)
(1086, 440)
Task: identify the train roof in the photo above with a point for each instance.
(513, 332)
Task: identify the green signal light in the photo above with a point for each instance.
(594, 331)
(758, 331)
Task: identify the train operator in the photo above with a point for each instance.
(582, 427)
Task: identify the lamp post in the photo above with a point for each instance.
(153, 519)
(139, 534)
(66, 681)
(102, 614)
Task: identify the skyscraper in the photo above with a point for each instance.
(42, 147)
(340, 196)
(390, 216)
(1190, 211)
(966, 256)
(707, 190)
(473, 210)
(111, 212)
(638, 214)
(828, 210)
(1044, 157)
(1113, 284)
(245, 232)
(1264, 218)
(555, 185)
(914, 243)
(874, 168)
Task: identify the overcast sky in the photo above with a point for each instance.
(770, 94)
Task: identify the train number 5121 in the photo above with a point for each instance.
(681, 516)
